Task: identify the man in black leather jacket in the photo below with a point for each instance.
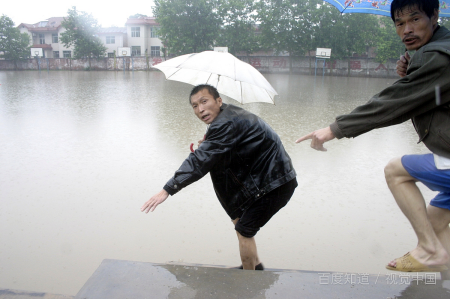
(252, 174)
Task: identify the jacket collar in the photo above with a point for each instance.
(223, 106)
(439, 33)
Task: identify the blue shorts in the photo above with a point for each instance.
(423, 169)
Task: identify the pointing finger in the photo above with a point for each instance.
(306, 137)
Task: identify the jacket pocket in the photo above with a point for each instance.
(236, 188)
(422, 125)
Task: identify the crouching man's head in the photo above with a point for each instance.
(415, 21)
(206, 102)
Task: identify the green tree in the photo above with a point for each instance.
(287, 26)
(81, 29)
(137, 16)
(13, 44)
(389, 44)
(187, 26)
(239, 30)
(345, 34)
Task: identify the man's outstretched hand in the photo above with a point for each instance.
(318, 138)
(153, 202)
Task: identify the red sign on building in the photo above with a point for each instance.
(255, 62)
(355, 65)
(157, 60)
(279, 62)
(381, 66)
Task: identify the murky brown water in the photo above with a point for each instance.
(80, 152)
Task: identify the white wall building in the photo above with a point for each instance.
(45, 35)
(140, 34)
(113, 38)
(142, 37)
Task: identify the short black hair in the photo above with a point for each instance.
(211, 89)
(427, 6)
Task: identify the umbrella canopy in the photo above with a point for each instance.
(381, 7)
(231, 76)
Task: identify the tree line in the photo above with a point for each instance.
(295, 27)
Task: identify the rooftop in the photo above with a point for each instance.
(52, 24)
(142, 21)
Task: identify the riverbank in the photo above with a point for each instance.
(127, 279)
(351, 67)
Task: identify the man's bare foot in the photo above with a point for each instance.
(429, 259)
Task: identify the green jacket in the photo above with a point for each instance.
(412, 97)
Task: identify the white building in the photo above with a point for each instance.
(142, 37)
(113, 38)
(46, 35)
(140, 34)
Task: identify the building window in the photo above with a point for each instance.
(55, 54)
(67, 54)
(136, 51)
(110, 39)
(154, 32)
(135, 31)
(55, 38)
(41, 38)
(111, 55)
(155, 51)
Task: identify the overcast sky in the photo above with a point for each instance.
(107, 15)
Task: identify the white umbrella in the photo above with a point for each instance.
(231, 76)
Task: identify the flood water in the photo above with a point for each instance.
(80, 152)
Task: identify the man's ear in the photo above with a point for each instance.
(219, 99)
(435, 18)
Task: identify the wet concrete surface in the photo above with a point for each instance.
(127, 279)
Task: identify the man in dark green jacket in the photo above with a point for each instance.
(422, 95)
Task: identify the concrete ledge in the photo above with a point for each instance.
(127, 279)
(350, 66)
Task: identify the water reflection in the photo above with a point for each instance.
(217, 283)
(81, 151)
(127, 279)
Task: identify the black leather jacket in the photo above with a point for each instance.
(244, 156)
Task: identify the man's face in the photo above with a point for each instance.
(205, 106)
(414, 27)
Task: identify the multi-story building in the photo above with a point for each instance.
(46, 35)
(140, 34)
(113, 38)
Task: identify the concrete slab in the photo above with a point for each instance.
(126, 279)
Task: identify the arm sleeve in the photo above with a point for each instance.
(410, 96)
(219, 140)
